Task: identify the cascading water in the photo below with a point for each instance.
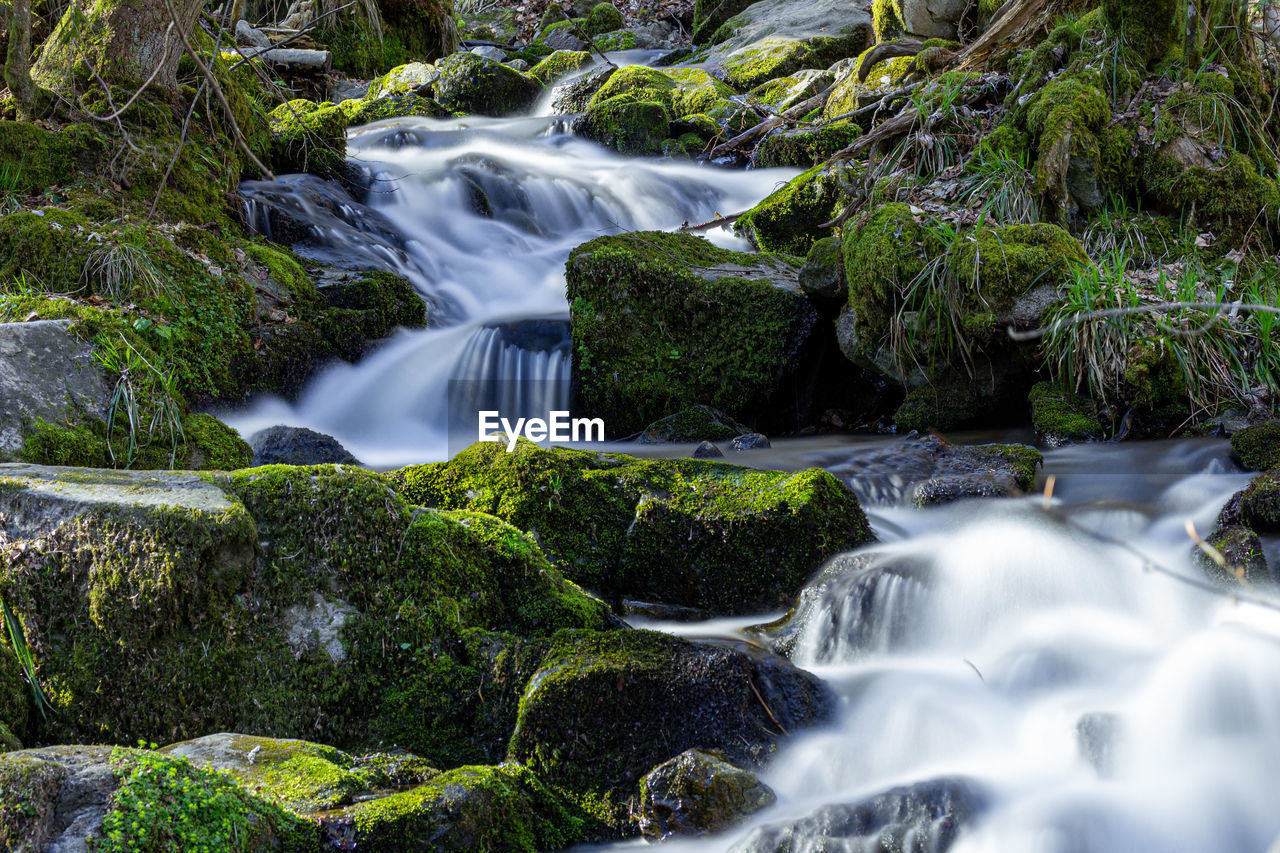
(480, 215)
(1028, 669)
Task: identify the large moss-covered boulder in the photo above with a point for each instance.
(1258, 447)
(805, 147)
(605, 708)
(788, 220)
(38, 159)
(679, 531)
(282, 601)
(777, 38)
(559, 64)
(625, 124)
(473, 84)
(664, 321)
(1227, 195)
(1259, 503)
(1060, 416)
(309, 137)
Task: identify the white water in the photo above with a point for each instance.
(1012, 620)
(547, 192)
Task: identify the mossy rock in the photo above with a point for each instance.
(411, 78)
(474, 85)
(36, 159)
(694, 424)
(204, 443)
(363, 111)
(603, 18)
(625, 124)
(806, 147)
(822, 274)
(664, 321)
(710, 15)
(698, 792)
(283, 601)
(683, 91)
(684, 532)
(1061, 416)
(788, 220)
(483, 808)
(411, 30)
(300, 776)
(309, 137)
(886, 18)
(1009, 260)
(1260, 503)
(633, 699)
(617, 40)
(1258, 447)
(1148, 27)
(1244, 559)
(1227, 195)
(991, 391)
(559, 64)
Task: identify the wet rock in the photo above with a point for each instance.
(627, 701)
(519, 65)
(823, 272)
(926, 816)
(1259, 503)
(707, 450)
(1096, 736)
(663, 612)
(563, 39)
(414, 78)
(286, 445)
(1245, 559)
(474, 85)
(696, 793)
(695, 423)
(573, 97)
(675, 531)
(1258, 447)
(750, 441)
(658, 319)
(928, 470)
(46, 373)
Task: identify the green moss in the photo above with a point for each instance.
(37, 160)
(1260, 503)
(559, 64)
(1258, 447)
(1060, 415)
(1021, 460)
(485, 809)
(710, 15)
(205, 443)
(1009, 260)
(360, 112)
(806, 147)
(775, 57)
(1149, 27)
(617, 40)
(787, 220)
(695, 423)
(29, 787)
(213, 445)
(627, 125)
(1229, 198)
(746, 539)
(308, 137)
(165, 804)
(882, 253)
(886, 17)
(603, 18)
(472, 84)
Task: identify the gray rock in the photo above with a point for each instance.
(473, 84)
(286, 445)
(497, 54)
(695, 423)
(69, 789)
(249, 36)
(44, 497)
(573, 97)
(348, 90)
(1241, 548)
(518, 64)
(1096, 736)
(823, 271)
(931, 814)
(318, 627)
(564, 39)
(696, 793)
(414, 78)
(750, 441)
(707, 450)
(930, 19)
(47, 373)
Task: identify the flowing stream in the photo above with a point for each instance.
(1030, 657)
(480, 215)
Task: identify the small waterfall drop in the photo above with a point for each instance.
(480, 215)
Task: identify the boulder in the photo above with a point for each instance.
(788, 220)
(750, 441)
(697, 793)
(823, 272)
(696, 423)
(923, 19)
(707, 450)
(1258, 447)
(1241, 549)
(574, 97)
(1259, 503)
(413, 78)
(674, 531)
(496, 54)
(559, 64)
(285, 445)
(709, 15)
(626, 701)
(931, 814)
(473, 84)
(46, 373)
(804, 147)
(776, 38)
(663, 321)
(283, 601)
(1061, 417)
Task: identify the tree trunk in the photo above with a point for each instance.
(124, 42)
(17, 63)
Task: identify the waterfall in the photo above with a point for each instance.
(480, 215)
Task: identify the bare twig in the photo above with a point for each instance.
(748, 136)
(714, 223)
(765, 705)
(586, 36)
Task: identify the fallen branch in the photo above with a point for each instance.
(310, 25)
(587, 37)
(714, 223)
(748, 136)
